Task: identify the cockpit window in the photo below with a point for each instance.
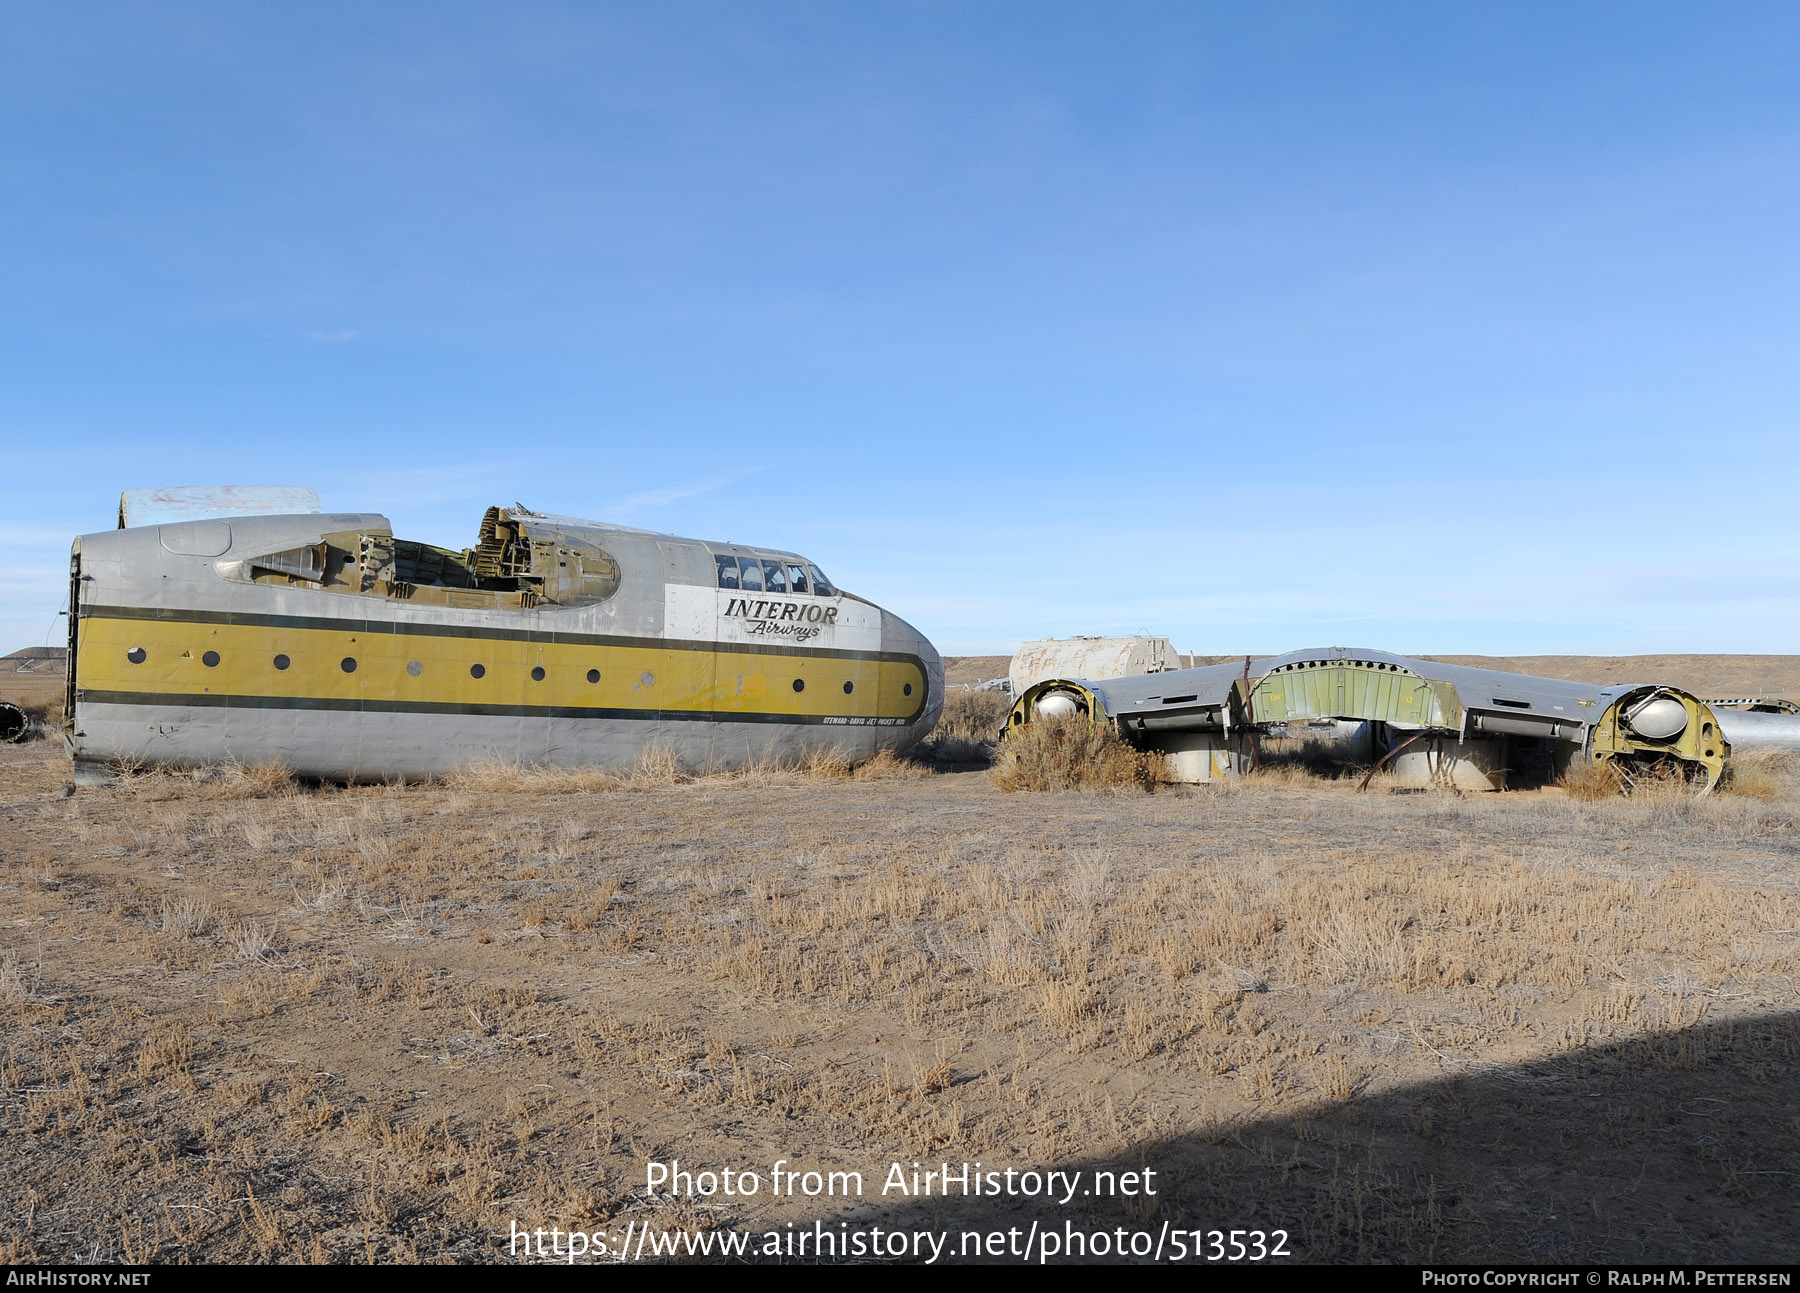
(772, 574)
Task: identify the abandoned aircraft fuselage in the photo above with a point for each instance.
(324, 643)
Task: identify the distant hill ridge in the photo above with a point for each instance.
(33, 677)
(1704, 675)
(27, 659)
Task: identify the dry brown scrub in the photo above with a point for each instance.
(1759, 774)
(969, 727)
(1073, 755)
(658, 769)
(46, 713)
(1589, 782)
(244, 1020)
(1762, 774)
(1310, 761)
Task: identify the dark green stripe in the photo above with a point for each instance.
(364, 706)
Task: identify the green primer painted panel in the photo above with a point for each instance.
(1353, 690)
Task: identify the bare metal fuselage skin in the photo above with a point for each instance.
(319, 642)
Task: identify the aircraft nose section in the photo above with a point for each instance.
(900, 638)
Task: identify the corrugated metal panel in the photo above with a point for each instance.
(1371, 690)
(1091, 658)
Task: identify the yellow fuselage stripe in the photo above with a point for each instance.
(652, 677)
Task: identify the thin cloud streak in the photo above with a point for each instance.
(675, 493)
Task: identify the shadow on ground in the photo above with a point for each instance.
(1677, 1147)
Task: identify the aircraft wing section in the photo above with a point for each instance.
(1639, 722)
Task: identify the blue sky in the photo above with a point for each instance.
(1433, 328)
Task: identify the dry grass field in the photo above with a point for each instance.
(247, 1019)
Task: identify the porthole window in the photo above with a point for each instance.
(414, 668)
(135, 655)
(210, 659)
(477, 671)
(348, 664)
(849, 687)
(593, 675)
(799, 684)
(282, 662)
(906, 690)
(537, 673)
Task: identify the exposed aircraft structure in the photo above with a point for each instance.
(1459, 724)
(1754, 705)
(325, 643)
(14, 725)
